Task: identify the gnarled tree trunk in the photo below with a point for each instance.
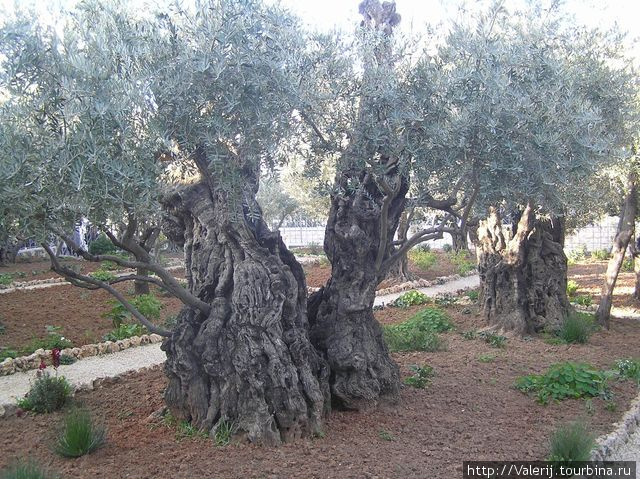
(400, 272)
(343, 327)
(249, 362)
(523, 278)
(620, 244)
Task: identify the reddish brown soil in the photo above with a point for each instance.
(26, 313)
(470, 411)
(41, 269)
(590, 277)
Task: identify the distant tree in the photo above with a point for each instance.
(276, 203)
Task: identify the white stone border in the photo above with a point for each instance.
(32, 361)
(609, 443)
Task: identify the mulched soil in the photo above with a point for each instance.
(41, 269)
(590, 276)
(26, 313)
(469, 412)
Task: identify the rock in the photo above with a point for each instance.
(155, 338)
(144, 339)
(135, 341)
(112, 347)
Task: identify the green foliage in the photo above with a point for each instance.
(565, 380)
(386, 435)
(418, 333)
(423, 259)
(26, 469)
(569, 443)
(577, 255)
(601, 254)
(461, 261)
(53, 340)
(469, 335)
(410, 298)
(147, 304)
(102, 245)
(445, 299)
(576, 328)
(103, 275)
(629, 368)
(7, 353)
(6, 279)
(47, 394)
(493, 339)
(109, 266)
(583, 300)
(487, 358)
(224, 432)
(79, 435)
(473, 294)
(627, 265)
(422, 376)
(66, 360)
(572, 287)
(447, 248)
(125, 331)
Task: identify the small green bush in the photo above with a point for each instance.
(410, 298)
(47, 394)
(422, 376)
(461, 261)
(445, 299)
(577, 255)
(627, 265)
(576, 328)
(148, 305)
(79, 435)
(493, 339)
(601, 254)
(469, 335)
(26, 469)
(583, 300)
(224, 432)
(423, 259)
(571, 442)
(7, 353)
(629, 368)
(572, 287)
(565, 380)
(125, 331)
(473, 294)
(418, 333)
(429, 319)
(102, 245)
(103, 275)
(6, 279)
(447, 248)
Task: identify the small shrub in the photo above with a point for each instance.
(7, 353)
(492, 339)
(565, 380)
(583, 300)
(627, 265)
(410, 298)
(413, 340)
(601, 254)
(629, 368)
(125, 331)
(577, 255)
(468, 335)
(569, 443)
(80, 435)
(423, 247)
(576, 328)
(148, 305)
(66, 360)
(103, 275)
(6, 279)
(26, 469)
(109, 266)
(572, 287)
(429, 319)
(473, 294)
(423, 259)
(224, 432)
(445, 299)
(47, 394)
(461, 261)
(447, 248)
(422, 376)
(102, 245)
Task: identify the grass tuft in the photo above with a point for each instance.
(79, 435)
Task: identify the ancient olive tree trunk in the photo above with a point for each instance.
(620, 244)
(400, 272)
(523, 276)
(343, 327)
(249, 363)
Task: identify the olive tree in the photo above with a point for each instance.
(118, 114)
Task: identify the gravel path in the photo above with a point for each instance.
(630, 451)
(448, 287)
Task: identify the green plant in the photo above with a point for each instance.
(224, 432)
(461, 261)
(576, 328)
(629, 368)
(418, 333)
(7, 353)
(423, 259)
(487, 358)
(410, 298)
(493, 339)
(468, 335)
(79, 435)
(148, 305)
(26, 469)
(53, 340)
(109, 266)
(6, 279)
(577, 255)
(447, 248)
(421, 376)
(583, 300)
(103, 275)
(572, 287)
(66, 360)
(569, 443)
(187, 430)
(565, 380)
(47, 394)
(385, 435)
(601, 254)
(611, 406)
(627, 265)
(102, 245)
(473, 294)
(125, 331)
(445, 299)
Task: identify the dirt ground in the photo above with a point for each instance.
(470, 412)
(590, 275)
(41, 269)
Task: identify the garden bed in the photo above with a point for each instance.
(470, 411)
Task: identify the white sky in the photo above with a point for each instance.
(343, 14)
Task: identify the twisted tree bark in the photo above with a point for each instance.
(523, 278)
(249, 362)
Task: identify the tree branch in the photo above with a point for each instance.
(79, 279)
